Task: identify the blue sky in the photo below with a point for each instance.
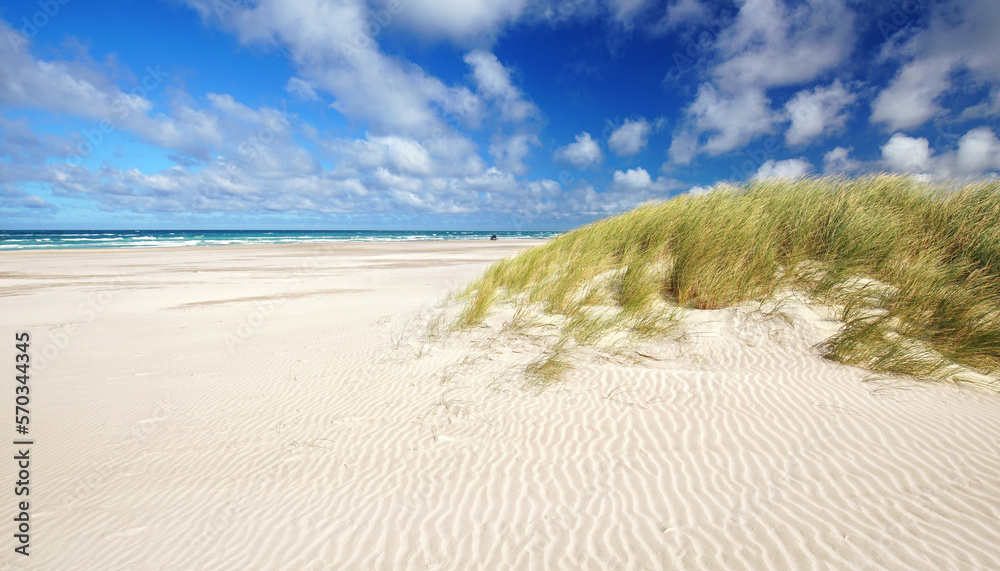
(471, 114)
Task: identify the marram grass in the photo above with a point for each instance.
(915, 267)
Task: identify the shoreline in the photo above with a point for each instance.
(68, 240)
(316, 245)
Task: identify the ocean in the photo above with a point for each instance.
(70, 239)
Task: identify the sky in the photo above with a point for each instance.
(471, 114)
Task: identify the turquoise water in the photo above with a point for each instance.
(67, 239)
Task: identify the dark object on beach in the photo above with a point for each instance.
(493, 237)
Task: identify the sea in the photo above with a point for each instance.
(71, 239)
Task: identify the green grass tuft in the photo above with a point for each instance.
(915, 266)
(548, 368)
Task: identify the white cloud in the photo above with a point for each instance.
(769, 44)
(704, 189)
(732, 120)
(638, 181)
(21, 146)
(60, 86)
(334, 49)
(984, 110)
(585, 152)
(911, 98)
(16, 200)
(814, 111)
(78, 90)
(696, 190)
(301, 89)
(791, 168)
(464, 105)
(481, 22)
(682, 12)
(492, 180)
(405, 155)
(960, 36)
(444, 155)
(625, 11)
(978, 151)
(493, 82)
(907, 154)
(630, 138)
(89, 93)
(839, 161)
(977, 154)
(216, 188)
(585, 200)
(510, 152)
(772, 44)
(459, 20)
(683, 147)
(632, 179)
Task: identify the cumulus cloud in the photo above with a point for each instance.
(90, 93)
(481, 22)
(838, 161)
(700, 189)
(493, 82)
(719, 186)
(444, 155)
(772, 43)
(21, 146)
(812, 112)
(731, 120)
(85, 92)
(790, 168)
(682, 12)
(459, 20)
(638, 181)
(632, 179)
(625, 11)
(301, 89)
(377, 191)
(683, 147)
(14, 200)
(907, 154)
(587, 201)
(405, 155)
(630, 138)
(959, 37)
(977, 154)
(769, 44)
(64, 87)
(911, 97)
(584, 153)
(978, 151)
(333, 49)
(510, 152)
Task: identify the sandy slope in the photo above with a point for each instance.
(278, 408)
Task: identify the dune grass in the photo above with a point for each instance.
(914, 266)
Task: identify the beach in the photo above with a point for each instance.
(282, 407)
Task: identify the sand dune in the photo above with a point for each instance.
(281, 407)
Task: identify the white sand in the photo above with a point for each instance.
(275, 408)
